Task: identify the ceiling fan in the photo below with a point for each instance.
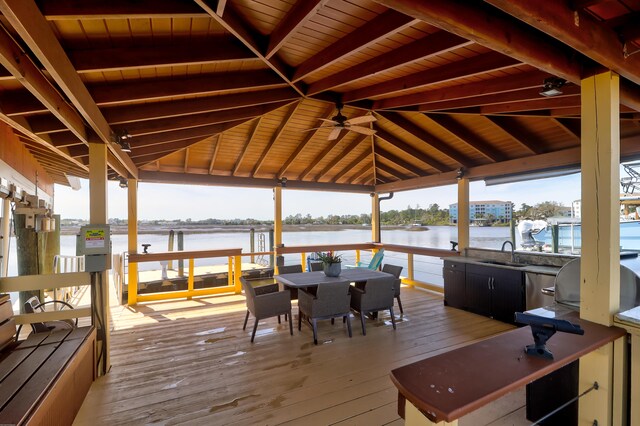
(339, 122)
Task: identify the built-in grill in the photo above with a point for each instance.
(567, 283)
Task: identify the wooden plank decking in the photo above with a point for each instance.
(189, 362)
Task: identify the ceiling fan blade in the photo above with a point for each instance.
(326, 120)
(361, 120)
(316, 128)
(334, 134)
(362, 130)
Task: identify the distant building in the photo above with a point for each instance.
(480, 212)
(575, 209)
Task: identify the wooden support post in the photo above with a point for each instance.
(172, 237)
(375, 218)
(357, 256)
(237, 262)
(303, 261)
(413, 417)
(190, 278)
(132, 243)
(600, 258)
(99, 280)
(463, 214)
(6, 236)
(230, 271)
(410, 273)
(277, 221)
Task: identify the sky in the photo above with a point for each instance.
(162, 201)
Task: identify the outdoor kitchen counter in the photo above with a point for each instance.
(535, 269)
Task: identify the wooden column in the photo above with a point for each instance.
(375, 218)
(132, 240)
(99, 280)
(600, 258)
(463, 214)
(6, 236)
(277, 220)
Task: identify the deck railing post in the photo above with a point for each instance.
(303, 261)
(357, 256)
(230, 271)
(190, 280)
(252, 243)
(237, 262)
(410, 266)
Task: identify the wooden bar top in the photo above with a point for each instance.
(450, 385)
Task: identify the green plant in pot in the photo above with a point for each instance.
(331, 263)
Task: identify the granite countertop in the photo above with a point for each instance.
(536, 269)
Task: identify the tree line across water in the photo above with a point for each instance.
(432, 215)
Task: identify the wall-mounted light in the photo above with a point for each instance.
(551, 86)
(283, 182)
(123, 183)
(122, 137)
(460, 173)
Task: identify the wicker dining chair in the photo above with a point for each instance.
(397, 283)
(265, 302)
(331, 300)
(377, 295)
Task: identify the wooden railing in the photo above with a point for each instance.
(234, 272)
(42, 282)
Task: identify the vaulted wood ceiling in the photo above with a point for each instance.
(226, 92)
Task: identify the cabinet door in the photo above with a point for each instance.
(508, 294)
(454, 285)
(478, 292)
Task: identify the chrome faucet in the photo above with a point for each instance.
(513, 257)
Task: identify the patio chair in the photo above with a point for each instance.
(330, 301)
(377, 295)
(397, 283)
(374, 264)
(33, 305)
(315, 266)
(290, 269)
(265, 302)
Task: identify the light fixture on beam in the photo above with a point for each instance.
(122, 137)
(124, 183)
(551, 86)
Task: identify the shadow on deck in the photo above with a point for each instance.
(190, 362)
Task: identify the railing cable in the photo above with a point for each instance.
(571, 401)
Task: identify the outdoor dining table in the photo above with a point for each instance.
(312, 279)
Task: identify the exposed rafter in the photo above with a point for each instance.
(299, 14)
(214, 155)
(243, 153)
(341, 155)
(352, 165)
(275, 137)
(318, 158)
(518, 133)
(399, 161)
(410, 150)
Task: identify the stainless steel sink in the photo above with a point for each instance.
(500, 263)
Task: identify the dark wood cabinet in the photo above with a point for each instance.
(485, 290)
(454, 287)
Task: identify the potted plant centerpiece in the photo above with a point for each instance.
(331, 263)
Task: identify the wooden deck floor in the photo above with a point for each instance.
(190, 362)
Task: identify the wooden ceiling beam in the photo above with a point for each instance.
(318, 158)
(571, 127)
(388, 156)
(172, 53)
(163, 148)
(220, 8)
(301, 146)
(496, 98)
(410, 150)
(298, 15)
(518, 133)
(352, 165)
(235, 181)
(26, 19)
(591, 38)
(391, 171)
(503, 84)
(275, 137)
(428, 46)
(427, 138)
(177, 135)
(486, 62)
(340, 156)
(186, 160)
(245, 149)
(458, 130)
(158, 89)
(502, 33)
(57, 10)
(539, 104)
(234, 23)
(214, 155)
(629, 31)
(198, 120)
(369, 33)
(173, 108)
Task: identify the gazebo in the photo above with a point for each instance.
(363, 96)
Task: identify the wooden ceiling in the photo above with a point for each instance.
(232, 92)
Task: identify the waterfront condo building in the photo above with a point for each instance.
(484, 212)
